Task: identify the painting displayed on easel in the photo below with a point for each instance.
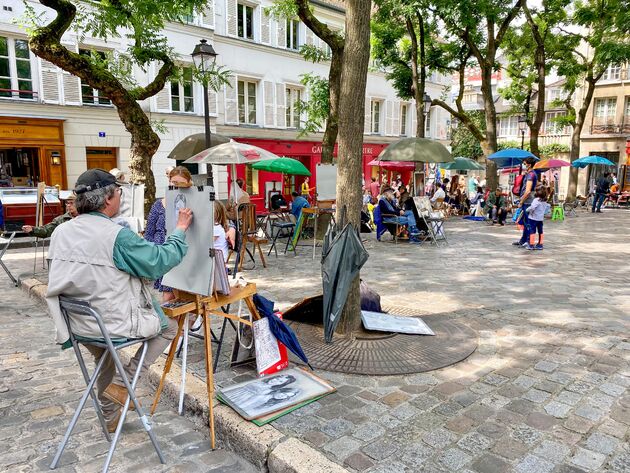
(260, 397)
(195, 274)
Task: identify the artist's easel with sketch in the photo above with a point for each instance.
(204, 306)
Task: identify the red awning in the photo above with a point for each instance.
(393, 164)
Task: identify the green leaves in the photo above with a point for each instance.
(317, 107)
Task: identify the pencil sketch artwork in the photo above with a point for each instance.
(195, 273)
(259, 397)
(131, 213)
(394, 323)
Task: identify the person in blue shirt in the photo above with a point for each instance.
(298, 204)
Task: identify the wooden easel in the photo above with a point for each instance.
(205, 306)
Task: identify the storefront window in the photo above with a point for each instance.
(252, 181)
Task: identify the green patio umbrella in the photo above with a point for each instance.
(283, 165)
(462, 164)
(421, 150)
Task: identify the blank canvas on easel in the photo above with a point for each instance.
(195, 274)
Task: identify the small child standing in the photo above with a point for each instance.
(535, 216)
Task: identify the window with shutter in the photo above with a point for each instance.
(265, 28)
(268, 103)
(90, 96)
(231, 110)
(213, 99)
(403, 119)
(389, 117)
(367, 122)
(282, 34)
(182, 92)
(281, 119)
(207, 14)
(375, 114)
(231, 16)
(427, 123)
(49, 81)
(16, 78)
(292, 114)
(293, 34)
(71, 89)
(246, 102)
(245, 21)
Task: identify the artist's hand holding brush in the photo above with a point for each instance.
(184, 219)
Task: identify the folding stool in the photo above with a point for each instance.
(82, 308)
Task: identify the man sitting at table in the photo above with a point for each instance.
(299, 202)
(393, 214)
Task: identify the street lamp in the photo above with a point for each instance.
(204, 58)
(522, 126)
(427, 103)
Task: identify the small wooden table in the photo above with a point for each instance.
(316, 212)
(204, 306)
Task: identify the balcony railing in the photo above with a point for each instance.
(609, 128)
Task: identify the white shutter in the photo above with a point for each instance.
(213, 105)
(265, 27)
(310, 36)
(71, 89)
(50, 82)
(396, 122)
(268, 103)
(207, 14)
(389, 117)
(282, 33)
(281, 108)
(231, 102)
(367, 124)
(231, 17)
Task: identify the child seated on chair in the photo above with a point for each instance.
(536, 215)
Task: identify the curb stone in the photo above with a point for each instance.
(265, 447)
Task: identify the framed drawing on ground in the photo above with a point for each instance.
(263, 396)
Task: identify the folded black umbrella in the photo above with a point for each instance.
(280, 330)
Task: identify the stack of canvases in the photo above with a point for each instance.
(265, 399)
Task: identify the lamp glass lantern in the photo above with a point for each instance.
(204, 56)
(522, 123)
(427, 102)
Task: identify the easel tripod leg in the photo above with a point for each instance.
(209, 373)
(182, 388)
(169, 362)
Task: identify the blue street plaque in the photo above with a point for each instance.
(101, 134)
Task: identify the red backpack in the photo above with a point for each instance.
(518, 183)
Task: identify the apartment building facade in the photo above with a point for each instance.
(52, 127)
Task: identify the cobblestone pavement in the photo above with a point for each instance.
(547, 389)
(40, 387)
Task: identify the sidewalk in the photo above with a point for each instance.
(547, 389)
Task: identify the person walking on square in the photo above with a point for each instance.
(602, 189)
(536, 214)
(528, 187)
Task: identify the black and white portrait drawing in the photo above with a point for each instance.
(259, 397)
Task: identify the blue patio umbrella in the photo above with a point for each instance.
(586, 160)
(280, 330)
(510, 157)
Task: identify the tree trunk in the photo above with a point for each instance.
(417, 77)
(577, 131)
(540, 60)
(490, 144)
(351, 119)
(332, 123)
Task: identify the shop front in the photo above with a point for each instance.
(261, 183)
(32, 151)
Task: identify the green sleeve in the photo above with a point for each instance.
(45, 231)
(141, 258)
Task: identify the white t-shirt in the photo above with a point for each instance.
(439, 194)
(220, 242)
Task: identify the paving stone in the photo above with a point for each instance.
(380, 449)
(555, 452)
(526, 434)
(536, 395)
(465, 398)
(525, 381)
(578, 424)
(395, 398)
(368, 431)
(546, 366)
(580, 387)
(568, 469)
(612, 389)
(602, 443)
(587, 459)
(342, 447)
(620, 463)
(568, 397)
(534, 464)
(475, 443)
(522, 406)
(489, 463)
(614, 428)
(358, 461)
(447, 408)
(448, 388)
(492, 430)
(540, 421)
(454, 458)
(336, 428)
(495, 379)
(460, 424)
(510, 448)
(424, 402)
(316, 438)
(557, 409)
(439, 438)
(590, 412)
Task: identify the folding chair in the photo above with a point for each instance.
(82, 308)
(7, 242)
(281, 227)
(382, 227)
(249, 232)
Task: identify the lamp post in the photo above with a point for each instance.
(204, 58)
(522, 126)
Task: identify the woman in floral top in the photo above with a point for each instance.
(156, 222)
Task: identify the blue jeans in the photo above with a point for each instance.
(535, 226)
(408, 219)
(525, 223)
(598, 201)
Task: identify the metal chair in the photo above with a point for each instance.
(281, 227)
(82, 308)
(7, 242)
